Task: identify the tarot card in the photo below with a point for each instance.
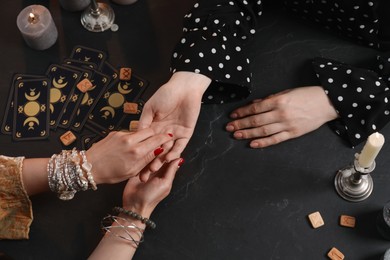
(6, 126)
(86, 54)
(31, 110)
(80, 64)
(109, 70)
(75, 100)
(109, 111)
(63, 82)
(90, 99)
(88, 140)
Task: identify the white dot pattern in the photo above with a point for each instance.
(364, 108)
(216, 35)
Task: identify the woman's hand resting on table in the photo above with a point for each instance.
(122, 155)
(282, 116)
(174, 108)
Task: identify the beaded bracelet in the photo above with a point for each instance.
(87, 167)
(146, 221)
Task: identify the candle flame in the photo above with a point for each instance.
(32, 18)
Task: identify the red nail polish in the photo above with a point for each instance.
(158, 151)
(180, 162)
(171, 135)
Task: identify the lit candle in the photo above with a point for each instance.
(37, 27)
(371, 149)
(75, 5)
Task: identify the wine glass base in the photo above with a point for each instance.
(98, 21)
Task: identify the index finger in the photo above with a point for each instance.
(260, 106)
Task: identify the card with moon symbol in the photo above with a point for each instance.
(91, 97)
(76, 97)
(6, 126)
(31, 109)
(80, 64)
(109, 70)
(86, 54)
(108, 113)
(63, 82)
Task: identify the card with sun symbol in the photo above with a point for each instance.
(6, 126)
(31, 109)
(86, 54)
(63, 83)
(109, 111)
(91, 97)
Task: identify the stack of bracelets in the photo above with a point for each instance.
(124, 228)
(66, 173)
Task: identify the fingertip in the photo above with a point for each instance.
(234, 115)
(144, 177)
(238, 135)
(181, 162)
(229, 128)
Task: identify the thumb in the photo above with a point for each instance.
(146, 118)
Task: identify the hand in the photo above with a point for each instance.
(122, 155)
(174, 108)
(283, 116)
(143, 197)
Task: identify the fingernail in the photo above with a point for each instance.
(180, 162)
(171, 135)
(238, 135)
(233, 115)
(158, 151)
(230, 128)
(254, 145)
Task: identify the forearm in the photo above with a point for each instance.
(34, 175)
(116, 243)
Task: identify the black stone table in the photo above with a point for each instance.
(228, 201)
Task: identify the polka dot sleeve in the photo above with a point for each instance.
(360, 96)
(215, 34)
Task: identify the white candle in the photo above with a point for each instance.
(37, 27)
(371, 149)
(75, 5)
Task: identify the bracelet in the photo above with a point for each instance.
(130, 229)
(87, 167)
(146, 221)
(65, 175)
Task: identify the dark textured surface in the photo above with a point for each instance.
(228, 201)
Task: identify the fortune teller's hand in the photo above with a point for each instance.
(143, 197)
(122, 155)
(174, 108)
(283, 116)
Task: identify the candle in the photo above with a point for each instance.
(124, 2)
(371, 149)
(75, 5)
(37, 27)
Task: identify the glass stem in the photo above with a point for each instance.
(95, 10)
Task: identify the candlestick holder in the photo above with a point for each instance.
(98, 17)
(354, 183)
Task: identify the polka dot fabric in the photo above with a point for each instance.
(360, 97)
(217, 38)
(357, 19)
(215, 34)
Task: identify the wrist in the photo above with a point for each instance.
(195, 82)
